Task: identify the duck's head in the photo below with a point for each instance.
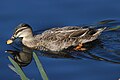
(23, 30)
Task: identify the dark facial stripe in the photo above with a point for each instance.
(19, 31)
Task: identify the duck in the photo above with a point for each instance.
(56, 39)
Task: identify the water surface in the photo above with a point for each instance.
(46, 14)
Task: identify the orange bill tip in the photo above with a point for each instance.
(9, 41)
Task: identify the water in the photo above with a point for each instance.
(51, 13)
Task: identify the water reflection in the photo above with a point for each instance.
(23, 55)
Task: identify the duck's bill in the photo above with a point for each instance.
(11, 52)
(9, 41)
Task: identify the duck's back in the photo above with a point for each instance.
(57, 39)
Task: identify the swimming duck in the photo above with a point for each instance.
(56, 39)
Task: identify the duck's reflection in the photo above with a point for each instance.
(24, 56)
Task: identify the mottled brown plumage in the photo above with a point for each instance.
(56, 39)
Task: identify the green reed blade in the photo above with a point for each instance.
(18, 69)
(40, 67)
(106, 21)
(116, 28)
(13, 68)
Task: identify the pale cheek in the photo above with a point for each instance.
(22, 34)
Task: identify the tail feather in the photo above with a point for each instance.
(89, 38)
(99, 31)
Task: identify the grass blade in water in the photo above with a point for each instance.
(106, 21)
(116, 28)
(40, 67)
(13, 68)
(18, 69)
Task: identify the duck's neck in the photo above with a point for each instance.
(29, 37)
(29, 41)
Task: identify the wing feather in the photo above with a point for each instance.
(63, 33)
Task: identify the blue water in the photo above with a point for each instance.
(44, 14)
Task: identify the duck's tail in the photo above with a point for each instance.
(91, 37)
(99, 31)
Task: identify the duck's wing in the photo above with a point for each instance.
(63, 33)
(71, 33)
